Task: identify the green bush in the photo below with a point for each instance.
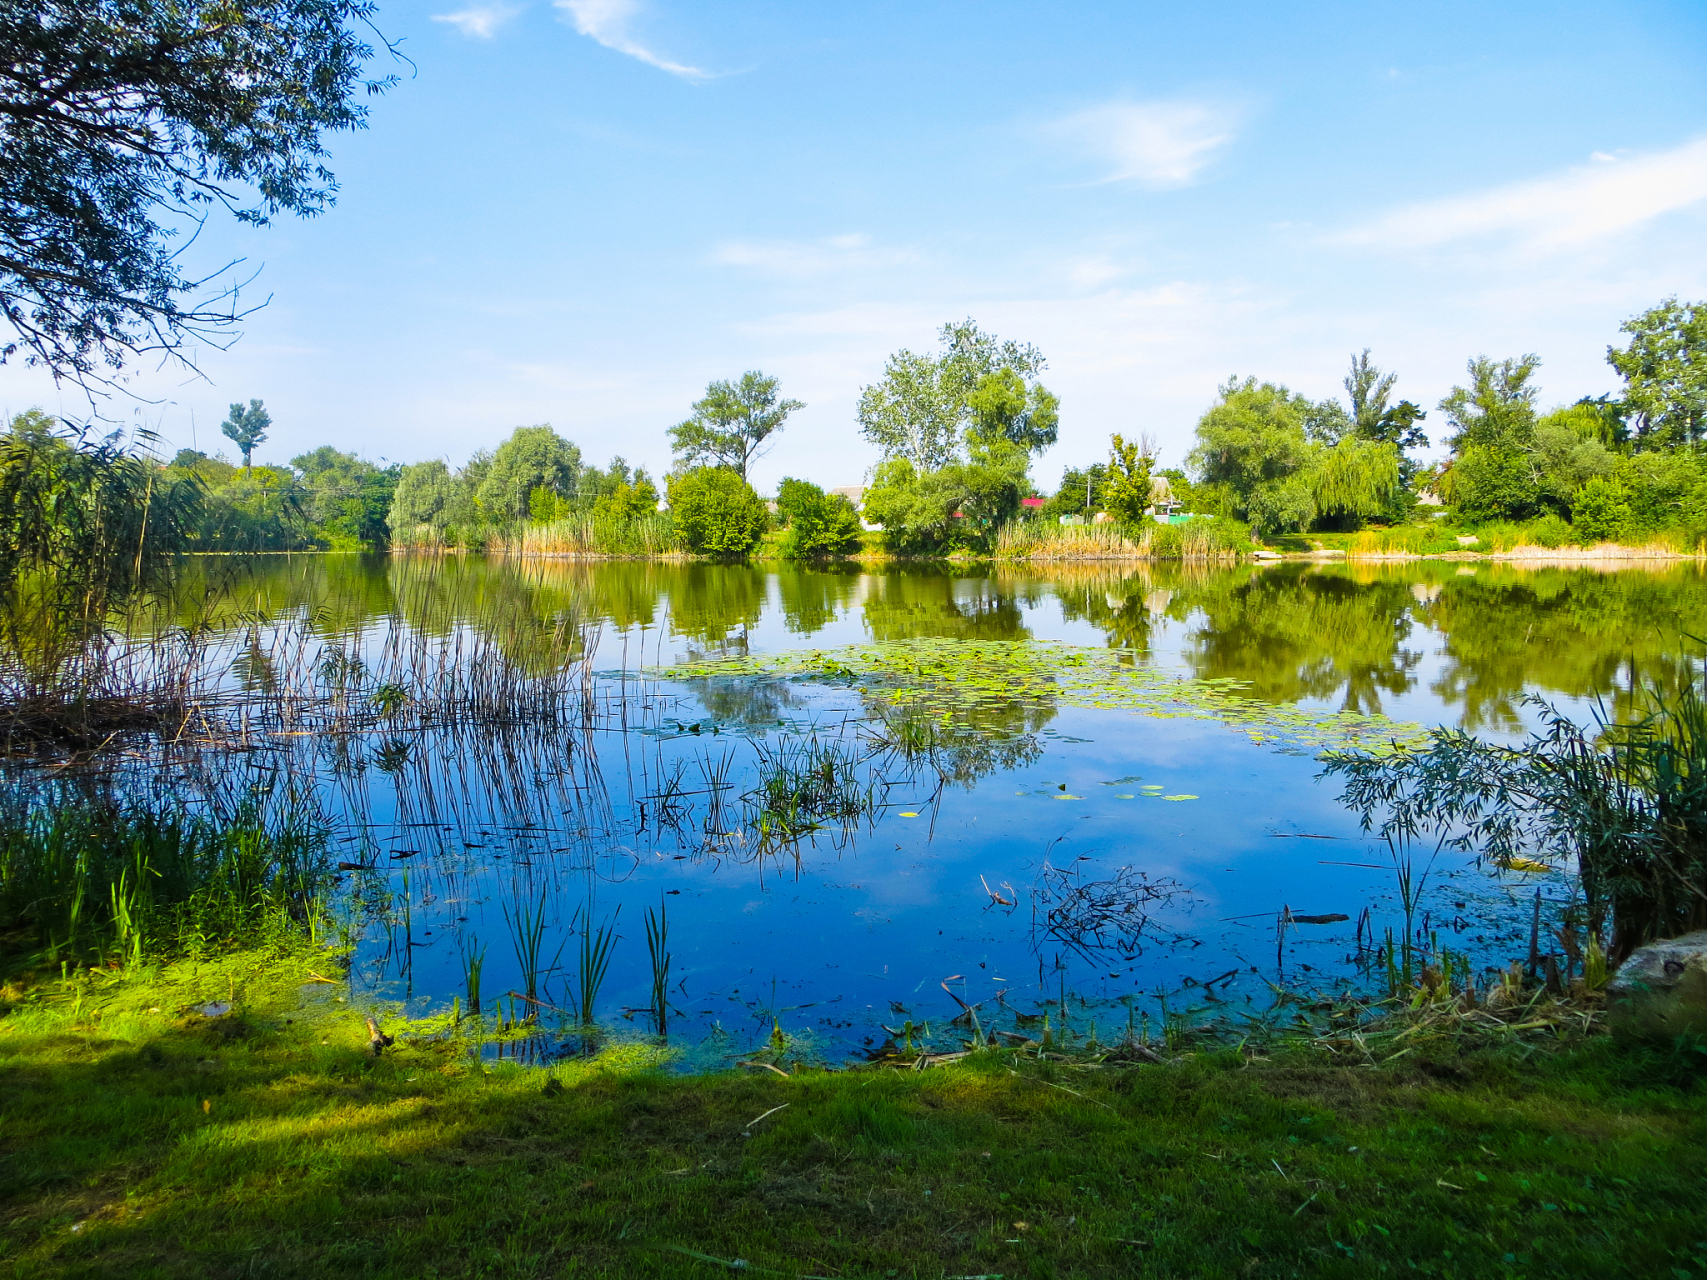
(1550, 531)
(819, 524)
(1491, 483)
(1600, 512)
(716, 512)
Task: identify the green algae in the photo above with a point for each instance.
(948, 679)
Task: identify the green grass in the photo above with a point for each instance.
(270, 1142)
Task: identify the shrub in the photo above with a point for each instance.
(819, 524)
(716, 512)
(1600, 512)
(1491, 483)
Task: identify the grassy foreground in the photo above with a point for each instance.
(140, 1138)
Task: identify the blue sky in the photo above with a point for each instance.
(580, 212)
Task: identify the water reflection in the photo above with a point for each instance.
(1463, 642)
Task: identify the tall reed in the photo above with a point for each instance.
(596, 947)
(658, 951)
(144, 879)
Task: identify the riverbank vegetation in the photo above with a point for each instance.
(959, 432)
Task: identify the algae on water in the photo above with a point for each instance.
(945, 678)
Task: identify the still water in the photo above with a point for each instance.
(1038, 856)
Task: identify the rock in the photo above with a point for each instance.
(1661, 990)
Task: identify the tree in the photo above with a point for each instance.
(124, 117)
(1253, 442)
(1001, 405)
(1129, 485)
(1369, 389)
(717, 512)
(1082, 491)
(730, 425)
(819, 524)
(428, 495)
(532, 458)
(1497, 409)
(246, 428)
(925, 407)
(1665, 373)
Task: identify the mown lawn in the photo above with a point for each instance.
(269, 1142)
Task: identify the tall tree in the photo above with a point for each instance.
(1497, 409)
(926, 408)
(731, 424)
(246, 428)
(126, 119)
(1369, 389)
(1130, 489)
(1665, 373)
(532, 458)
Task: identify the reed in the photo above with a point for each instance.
(527, 936)
(658, 951)
(587, 534)
(142, 880)
(596, 948)
(804, 785)
(473, 961)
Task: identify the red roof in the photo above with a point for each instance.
(1031, 502)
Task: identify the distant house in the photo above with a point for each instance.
(854, 493)
(1031, 504)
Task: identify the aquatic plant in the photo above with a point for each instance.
(147, 879)
(596, 947)
(473, 954)
(1626, 802)
(658, 952)
(527, 937)
(960, 677)
(803, 784)
(1097, 916)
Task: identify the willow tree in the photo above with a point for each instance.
(1356, 479)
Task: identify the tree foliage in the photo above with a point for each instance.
(246, 428)
(532, 458)
(1129, 492)
(126, 121)
(732, 423)
(924, 406)
(1497, 409)
(819, 524)
(717, 512)
(1665, 374)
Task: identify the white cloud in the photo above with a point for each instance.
(800, 258)
(607, 21)
(480, 21)
(1158, 144)
(1572, 208)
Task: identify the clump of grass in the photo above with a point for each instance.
(133, 879)
(803, 785)
(597, 944)
(658, 952)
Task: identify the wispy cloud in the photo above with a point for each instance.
(607, 21)
(1580, 205)
(801, 258)
(1158, 144)
(480, 21)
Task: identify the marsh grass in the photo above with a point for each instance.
(169, 1144)
(804, 785)
(89, 878)
(597, 945)
(658, 953)
(1205, 539)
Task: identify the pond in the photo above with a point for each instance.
(1087, 791)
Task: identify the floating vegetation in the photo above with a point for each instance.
(946, 679)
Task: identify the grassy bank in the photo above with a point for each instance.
(1538, 538)
(144, 1139)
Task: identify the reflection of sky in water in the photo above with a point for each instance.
(861, 932)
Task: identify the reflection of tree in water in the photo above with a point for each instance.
(929, 603)
(708, 601)
(1576, 632)
(814, 598)
(744, 700)
(1294, 633)
(965, 746)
